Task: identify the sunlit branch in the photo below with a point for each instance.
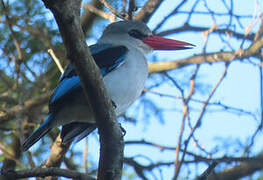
(110, 16)
(56, 60)
(113, 10)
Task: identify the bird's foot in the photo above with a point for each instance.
(123, 130)
(114, 105)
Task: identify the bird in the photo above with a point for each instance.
(120, 55)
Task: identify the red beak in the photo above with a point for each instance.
(160, 43)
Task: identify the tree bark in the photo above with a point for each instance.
(67, 15)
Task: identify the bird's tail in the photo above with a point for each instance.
(38, 134)
(76, 130)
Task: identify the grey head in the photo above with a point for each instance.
(128, 33)
(122, 27)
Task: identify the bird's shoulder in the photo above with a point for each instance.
(107, 57)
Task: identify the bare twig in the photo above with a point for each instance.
(110, 16)
(223, 107)
(113, 10)
(148, 10)
(198, 122)
(171, 14)
(185, 115)
(56, 60)
(88, 17)
(85, 154)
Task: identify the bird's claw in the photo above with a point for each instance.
(123, 130)
(114, 105)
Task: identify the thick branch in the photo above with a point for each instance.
(58, 151)
(42, 172)
(67, 15)
(239, 171)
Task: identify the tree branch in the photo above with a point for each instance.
(43, 172)
(148, 10)
(67, 15)
(88, 17)
(88, 7)
(58, 150)
(239, 171)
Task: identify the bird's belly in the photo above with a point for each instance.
(125, 84)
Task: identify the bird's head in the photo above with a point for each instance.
(136, 34)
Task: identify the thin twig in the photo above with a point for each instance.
(85, 154)
(185, 115)
(56, 60)
(198, 122)
(110, 16)
(113, 10)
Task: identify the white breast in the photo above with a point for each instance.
(126, 82)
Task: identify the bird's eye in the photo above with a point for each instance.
(136, 34)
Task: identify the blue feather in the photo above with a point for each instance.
(39, 133)
(97, 48)
(66, 86)
(76, 129)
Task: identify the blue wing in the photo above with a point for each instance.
(106, 56)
